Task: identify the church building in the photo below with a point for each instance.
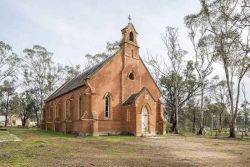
(116, 96)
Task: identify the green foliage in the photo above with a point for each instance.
(40, 74)
(25, 106)
(71, 71)
(111, 48)
(8, 61)
(7, 91)
(168, 126)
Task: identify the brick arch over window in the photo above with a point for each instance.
(108, 94)
(58, 110)
(80, 105)
(68, 109)
(148, 108)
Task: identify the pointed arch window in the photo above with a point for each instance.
(131, 36)
(51, 113)
(80, 100)
(68, 109)
(47, 114)
(107, 106)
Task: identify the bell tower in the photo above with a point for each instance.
(129, 43)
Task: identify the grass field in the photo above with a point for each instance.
(41, 148)
(6, 136)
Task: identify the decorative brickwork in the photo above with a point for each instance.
(80, 106)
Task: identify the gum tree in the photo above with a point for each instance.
(224, 22)
(176, 78)
(204, 58)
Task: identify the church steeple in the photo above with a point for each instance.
(129, 41)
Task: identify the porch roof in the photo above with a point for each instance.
(132, 98)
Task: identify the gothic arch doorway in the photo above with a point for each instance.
(144, 119)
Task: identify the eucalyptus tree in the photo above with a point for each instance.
(111, 48)
(177, 78)
(204, 57)
(191, 111)
(245, 12)
(221, 98)
(70, 71)
(224, 23)
(25, 106)
(8, 61)
(40, 74)
(245, 110)
(7, 92)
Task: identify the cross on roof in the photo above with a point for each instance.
(129, 18)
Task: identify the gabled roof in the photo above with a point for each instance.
(132, 98)
(78, 80)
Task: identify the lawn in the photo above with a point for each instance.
(6, 136)
(41, 148)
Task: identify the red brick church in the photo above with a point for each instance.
(116, 96)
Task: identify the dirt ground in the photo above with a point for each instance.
(41, 148)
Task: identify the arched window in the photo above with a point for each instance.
(51, 113)
(80, 106)
(59, 110)
(131, 36)
(47, 114)
(68, 108)
(107, 106)
(56, 112)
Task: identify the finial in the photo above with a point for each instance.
(129, 18)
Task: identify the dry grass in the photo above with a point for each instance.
(40, 148)
(5, 136)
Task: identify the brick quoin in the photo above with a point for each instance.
(117, 96)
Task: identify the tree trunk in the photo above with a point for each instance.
(235, 112)
(173, 121)
(6, 119)
(37, 118)
(23, 122)
(230, 93)
(7, 110)
(41, 109)
(220, 122)
(201, 130)
(212, 123)
(176, 130)
(245, 126)
(232, 130)
(194, 121)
